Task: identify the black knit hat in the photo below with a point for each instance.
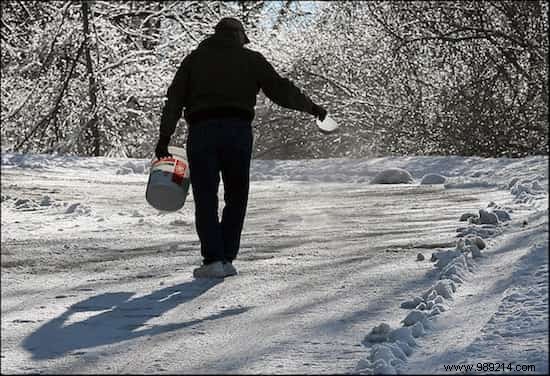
(230, 23)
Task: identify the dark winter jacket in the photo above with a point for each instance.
(221, 78)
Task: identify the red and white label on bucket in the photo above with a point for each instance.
(177, 168)
(179, 172)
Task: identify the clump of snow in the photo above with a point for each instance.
(391, 348)
(445, 288)
(486, 217)
(136, 214)
(477, 174)
(422, 306)
(134, 167)
(402, 334)
(393, 176)
(478, 242)
(456, 270)
(413, 317)
(527, 191)
(418, 329)
(25, 204)
(397, 351)
(383, 368)
(454, 265)
(483, 232)
(378, 333)
(536, 186)
(29, 204)
(433, 179)
(409, 304)
(78, 208)
(476, 253)
(180, 222)
(405, 347)
(502, 215)
(466, 216)
(45, 201)
(443, 257)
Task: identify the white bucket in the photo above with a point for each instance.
(328, 125)
(168, 183)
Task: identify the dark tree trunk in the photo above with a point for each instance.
(92, 84)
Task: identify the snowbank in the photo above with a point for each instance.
(459, 172)
(393, 176)
(390, 348)
(433, 179)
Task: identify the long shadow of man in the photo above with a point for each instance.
(119, 322)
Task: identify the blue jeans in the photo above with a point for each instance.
(220, 146)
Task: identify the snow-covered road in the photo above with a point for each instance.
(96, 281)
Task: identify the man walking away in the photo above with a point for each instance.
(216, 85)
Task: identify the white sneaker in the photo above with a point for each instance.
(229, 269)
(212, 270)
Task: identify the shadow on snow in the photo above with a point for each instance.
(121, 319)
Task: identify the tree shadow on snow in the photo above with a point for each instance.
(120, 320)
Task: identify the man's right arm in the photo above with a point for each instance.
(175, 100)
(281, 90)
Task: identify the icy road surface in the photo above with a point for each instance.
(96, 281)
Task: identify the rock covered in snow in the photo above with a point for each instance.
(430, 294)
(363, 365)
(409, 304)
(520, 188)
(444, 287)
(382, 352)
(393, 176)
(397, 351)
(536, 186)
(478, 242)
(78, 208)
(413, 317)
(474, 220)
(466, 216)
(443, 257)
(383, 368)
(456, 269)
(379, 333)
(433, 179)
(486, 217)
(420, 257)
(477, 174)
(476, 253)
(513, 182)
(502, 215)
(483, 232)
(418, 329)
(421, 306)
(435, 311)
(403, 334)
(404, 346)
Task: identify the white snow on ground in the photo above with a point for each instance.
(96, 281)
